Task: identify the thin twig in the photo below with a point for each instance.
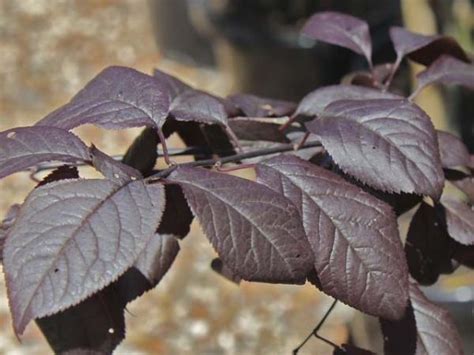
(316, 330)
(394, 70)
(172, 152)
(162, 138)
(218, 167)
(233, 158)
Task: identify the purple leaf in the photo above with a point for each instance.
(113, 169)
(424, 49)
(255, 106)
(177, 217)
(354, 237)
(388, 144)
(116, 98)
(70, 241)
(446, 70)
(62, 173)
(253, 130)
(175, 86)
(466, 185)
(342, 30)
(94, 326)
(452, 150)
(6, 224)
(24, 147)
(464, 254)
(219, 267)
(460, 221)
(97, 324)
(400, 336)
(436, 330)
(142, 153)
(427, 246)
(348, 349)
(316, 101)
(199, 106)
(256, 232)
(157, 257)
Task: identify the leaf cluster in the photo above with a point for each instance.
(333, 174)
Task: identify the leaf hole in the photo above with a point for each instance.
(373, 147)
(56, 270)
(111, 331)
(11, 134)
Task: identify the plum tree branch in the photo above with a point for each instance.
(234, 158)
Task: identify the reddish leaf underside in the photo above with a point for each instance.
(388, 144)
(256, 232)
(74, 237)
(359, 257)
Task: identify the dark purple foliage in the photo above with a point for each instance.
(175, 86)
(446, 70)
(315, 102)
(348, 230)
(257, 130)
(194, 105)
(157, 257)
(348, 349)
(6, 224)
(25, 147)
(177, 217)
(113, 169)
(62, 173)
(51, 265)
(334, 172)
(399, 337)
(460, 221)
(425, 324)
(466, 185)
(428, 246)
(254, 106)
(255, 231)
(218, 266)
(118, 97)
(142, 153)
(436, 331)
(424, 49)
(342, 30)
(388, 144)
(452, 150)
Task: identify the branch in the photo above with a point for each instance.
(233, 158)
(316, 330)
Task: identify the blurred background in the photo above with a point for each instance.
(49, 49)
